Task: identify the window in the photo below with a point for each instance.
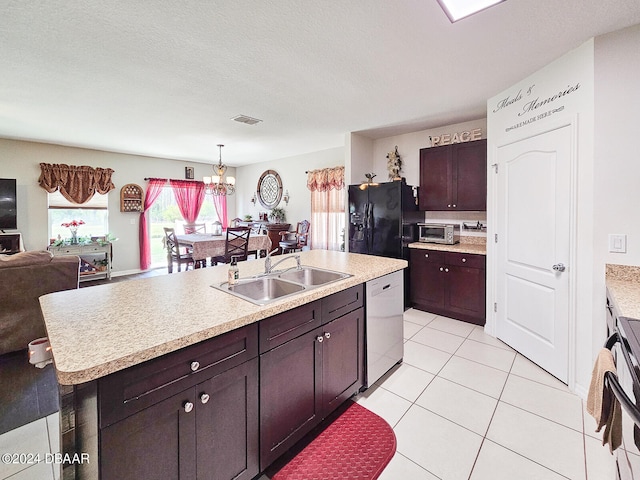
(94, 214)
(165, 213)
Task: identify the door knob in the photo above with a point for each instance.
(204, 398)
(559, 267)
(188, 406)
(320, 338)
(327, 335)
(195, 366)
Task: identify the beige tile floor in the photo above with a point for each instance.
(463, 405)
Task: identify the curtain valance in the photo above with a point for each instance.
(326, 179)
(76, 183)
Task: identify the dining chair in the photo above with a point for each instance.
(257, 228)
(174, 253)
(236, 245)
(194, 228)
(292, 241)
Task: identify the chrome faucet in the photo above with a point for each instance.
(268, 267)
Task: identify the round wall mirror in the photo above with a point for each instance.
(270, 189)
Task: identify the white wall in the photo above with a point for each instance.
(294, 179)
(616, 159)
(21, 160)
(513, 121)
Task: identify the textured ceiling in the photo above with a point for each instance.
(164, 78)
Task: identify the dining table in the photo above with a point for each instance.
(206, 245)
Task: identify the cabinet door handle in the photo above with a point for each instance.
(449, 205)
(441, 269)
(204, 398)
(327, 335)
(188, 406)
(195, 366)
(464, 260)
(446, 269)
(454, 205)
(426, 255)
(320, 338)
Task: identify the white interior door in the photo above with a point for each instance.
(534, 207)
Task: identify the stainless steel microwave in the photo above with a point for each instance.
(439, 233)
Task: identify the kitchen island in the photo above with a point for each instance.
(144, 360)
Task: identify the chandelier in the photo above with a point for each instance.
(216, 184)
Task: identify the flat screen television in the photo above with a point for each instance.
(8, 204)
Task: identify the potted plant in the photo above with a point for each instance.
(277, 215)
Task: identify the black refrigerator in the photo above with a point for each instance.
(382, 220)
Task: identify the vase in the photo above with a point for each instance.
(74, 236)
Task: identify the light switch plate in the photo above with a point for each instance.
(617, 243)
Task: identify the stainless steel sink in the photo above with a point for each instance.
(276, 285)
(262, 290)
(312, 276)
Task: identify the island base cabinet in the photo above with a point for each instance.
(208, 431)
(305, 379)
(290, 385)
(342, 359)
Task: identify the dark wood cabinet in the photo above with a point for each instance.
(191, 414)
(454, 177)
(449, 283)
(290, 394)
(307, 377)
(207, 431)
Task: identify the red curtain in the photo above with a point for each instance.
(154, 189)
(220, 203)
(189, 196)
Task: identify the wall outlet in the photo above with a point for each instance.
(617, 243)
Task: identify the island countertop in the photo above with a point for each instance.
(99, 330)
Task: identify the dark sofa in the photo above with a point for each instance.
(24, 277)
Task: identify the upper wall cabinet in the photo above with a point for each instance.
(454, 177)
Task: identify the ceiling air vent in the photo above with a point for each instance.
(246, 119)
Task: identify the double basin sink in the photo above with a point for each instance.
(268, 288)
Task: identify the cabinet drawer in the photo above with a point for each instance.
(129, 391)
(72, 250)
(431, 256)
(465, 260)
(281, 328)
(94, 248)
(341, 303)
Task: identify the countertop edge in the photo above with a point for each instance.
(471, 248)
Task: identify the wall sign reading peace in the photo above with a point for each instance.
(270, 189)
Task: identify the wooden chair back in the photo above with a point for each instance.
(236, 245)
(173, 251)
(194, 228)
(302, 232)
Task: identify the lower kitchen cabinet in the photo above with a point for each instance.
(449, 283)
(207, 431)
(305, 379)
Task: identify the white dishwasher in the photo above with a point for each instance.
(384, 327)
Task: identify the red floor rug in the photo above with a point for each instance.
(357, 445)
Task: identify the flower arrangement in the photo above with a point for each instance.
(73, 228)
(73, 224)
(277, 214)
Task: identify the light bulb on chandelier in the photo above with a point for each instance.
(216, 185)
